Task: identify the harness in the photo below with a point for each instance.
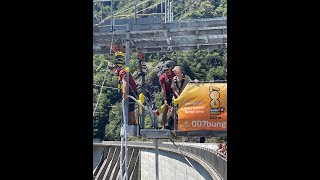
(120, 83)
(182, 82)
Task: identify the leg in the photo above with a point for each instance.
(170, 102)
(170, 119)
(164, 117)
(132, 118)
(171, 112)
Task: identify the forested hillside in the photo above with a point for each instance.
(202, 65)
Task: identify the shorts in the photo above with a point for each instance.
(131, 101)
(169, 99)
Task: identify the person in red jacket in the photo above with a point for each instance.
(132, 89)
(167, 93)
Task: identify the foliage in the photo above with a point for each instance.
(202, 65)
(112, 130)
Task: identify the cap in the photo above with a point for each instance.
(166, 66)
(169, 63)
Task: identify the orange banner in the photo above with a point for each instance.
(203, 106)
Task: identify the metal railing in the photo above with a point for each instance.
(166, 13)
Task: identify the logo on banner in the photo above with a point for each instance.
(215, 104)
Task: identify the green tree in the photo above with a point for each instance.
(112, 130)
(221, 10)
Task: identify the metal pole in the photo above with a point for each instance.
(121, 152)
(101, 12)
(157, 158)
(143, 114)
(127, 91)
(112, 15)
(135, 12)
(174, 117)
(123, 132)
(165, 11)
(169, 14)
(143, 80)
(171, 11)
(155, 120)
(161, 13)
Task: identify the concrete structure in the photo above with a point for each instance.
(172, 166)
(205, 164)
(151, 35)
(97, 155)
(109, 165)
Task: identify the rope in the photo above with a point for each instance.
(111, 39)
(186, 8)
(99, 67)
(119, 13)
(132, 6)
(181, 153)
(104, 78)
(95, 108)
(107, 87)
(146, 8)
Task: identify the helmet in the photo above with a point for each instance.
(120, 57)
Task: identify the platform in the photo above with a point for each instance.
(156, 133)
